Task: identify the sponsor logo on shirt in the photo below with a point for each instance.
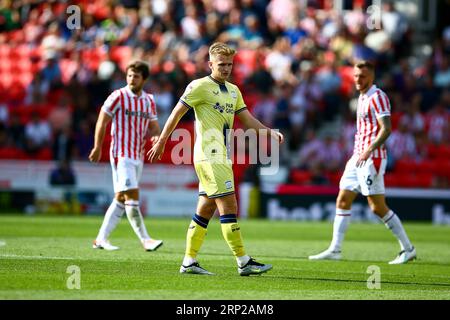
(228, 108)
(139, 114)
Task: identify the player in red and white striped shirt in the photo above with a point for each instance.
(132, 112)
(364, 172)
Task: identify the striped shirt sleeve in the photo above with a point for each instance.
(112, 103)
(381, 105)
(154, 112)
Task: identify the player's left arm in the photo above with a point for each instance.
(153, 132)
(384, 133)
(250, 122)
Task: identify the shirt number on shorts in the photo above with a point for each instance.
(369, 181)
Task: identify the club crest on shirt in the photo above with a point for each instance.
(233, 94)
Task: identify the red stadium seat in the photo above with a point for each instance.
(426, 166)
(44, 154)
(4, 50)
(22, 79)
(405, 166)
(434, 151)
(93, 57)
(346, 73)
(35, 53)
(121, 55)
(444, 152)
(251, 99)
(16, 36)
(334, 178)
(392, 180)
(423, 180)
(68, 69)
(442, 167)
(300, 176)
(395, 119)
(11, 153)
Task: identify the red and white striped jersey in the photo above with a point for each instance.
(372, 105)
(131, 116)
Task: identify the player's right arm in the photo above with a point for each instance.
(158, 148)
(100, 129)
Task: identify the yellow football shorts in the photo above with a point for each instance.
(215, 178)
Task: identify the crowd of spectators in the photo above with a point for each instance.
(294, 67)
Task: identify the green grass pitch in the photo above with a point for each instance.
(35, 253)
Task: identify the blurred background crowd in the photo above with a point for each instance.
(294, 67)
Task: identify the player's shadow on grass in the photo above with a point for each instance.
(381, 262)
(356, 281)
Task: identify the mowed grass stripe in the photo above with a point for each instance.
(38, 250)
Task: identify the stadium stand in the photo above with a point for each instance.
(307, 49)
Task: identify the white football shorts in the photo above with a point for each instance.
(126, 173)
(367, 180)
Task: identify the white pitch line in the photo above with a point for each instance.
(15, 256)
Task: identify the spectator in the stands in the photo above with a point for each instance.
(261, 79)
(83, 139)
(3, 135)
(4, 113)
(401, 145)
(318, 177)
(330, 153)
(63, 144)
(59, 116)
(438, 119)
(397, 27)
(37, 90)
(265, 108)
(252, 36)
(51, 73)
(16, 131)
(429, 93)
(281, 119)
(442, 76)
(414, 120)
(279, 61)
(309, 152)
(53, 43)
(305, 102)
(37, 134)
(62, 175)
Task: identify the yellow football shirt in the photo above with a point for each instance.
(215, 104)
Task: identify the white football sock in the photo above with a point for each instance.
(136, 220)
(340, 226)
(187, 261)
(111, 219)
(242, 261)
(392, 222)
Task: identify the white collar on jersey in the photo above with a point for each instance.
(369, 92)
(132, 94)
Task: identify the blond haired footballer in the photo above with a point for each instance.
(215, 102)
(364, 172)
